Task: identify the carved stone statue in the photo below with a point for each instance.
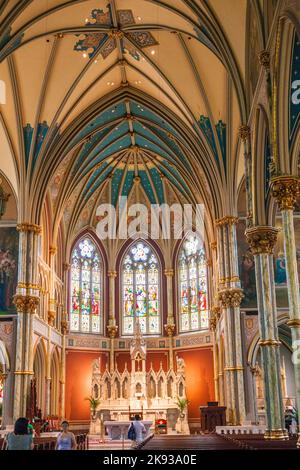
(180, 365)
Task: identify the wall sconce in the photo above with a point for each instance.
(3, 199)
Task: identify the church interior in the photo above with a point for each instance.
(164, 103)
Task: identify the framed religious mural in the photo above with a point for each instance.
(9, 245)
(246, 267)
(280, 275)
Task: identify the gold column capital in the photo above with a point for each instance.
(264, 59)
(53, 250)
(262, 239)
(112, 274)
(169, 272)
(66, 266)
(285, 189)
(226, 220)
(26, 303)
(244, 133)
(231, 297)
(28, 227)
(213, 245)
(170, 328)
(51, 317)
(64, 327)
(112, 331)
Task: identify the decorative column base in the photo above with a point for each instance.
(277, 434)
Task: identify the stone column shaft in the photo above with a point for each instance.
(285, 190)
(26, 301)
(170, 326)
(261, 241)
(112, 327)
(230, 296)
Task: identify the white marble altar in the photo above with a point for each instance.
(119, 429)
(152, 394)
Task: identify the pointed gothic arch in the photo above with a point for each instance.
(140, 277)
(86, 286)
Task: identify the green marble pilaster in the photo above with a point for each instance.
(286, 189)
(230, 297)
(293, 294)
(262, 240)
(226, 376)
(236, 314)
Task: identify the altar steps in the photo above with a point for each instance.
(218, 442)
(203, 442)
(96, 443)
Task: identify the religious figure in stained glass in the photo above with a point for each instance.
(86, 299)
(193, 309)
(140, 286)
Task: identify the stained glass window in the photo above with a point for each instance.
(193, 307)
(86, 293)
(140, 289)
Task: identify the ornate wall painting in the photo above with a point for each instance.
(279, 262)
(9, 245)
(246, 267)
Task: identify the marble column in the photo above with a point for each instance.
(230, 296)
(112, 328)
(62, 380)
(26, 301)
(262, 240)
(52, 300)
(48, 374)
(245, 135)
(170, 325)
(214, 317)
(285, 190)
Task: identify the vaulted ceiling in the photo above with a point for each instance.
(103, 94)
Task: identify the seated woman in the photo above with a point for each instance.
(20, 438)
(66, 439)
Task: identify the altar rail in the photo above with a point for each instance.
(247, 429)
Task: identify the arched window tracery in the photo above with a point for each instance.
(141, 289)
(86, 288)
(193, 309)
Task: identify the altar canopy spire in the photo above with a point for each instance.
(138, 346)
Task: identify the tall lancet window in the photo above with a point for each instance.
(141, 289)
(86, 292)
(193, 313)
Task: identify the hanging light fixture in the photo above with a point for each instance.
(3, 199)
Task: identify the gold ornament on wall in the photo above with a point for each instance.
(285, 189)
(112, 331)
(262, 239)
(231, 297)
(26, 303)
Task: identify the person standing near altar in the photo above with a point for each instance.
(136, 431)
